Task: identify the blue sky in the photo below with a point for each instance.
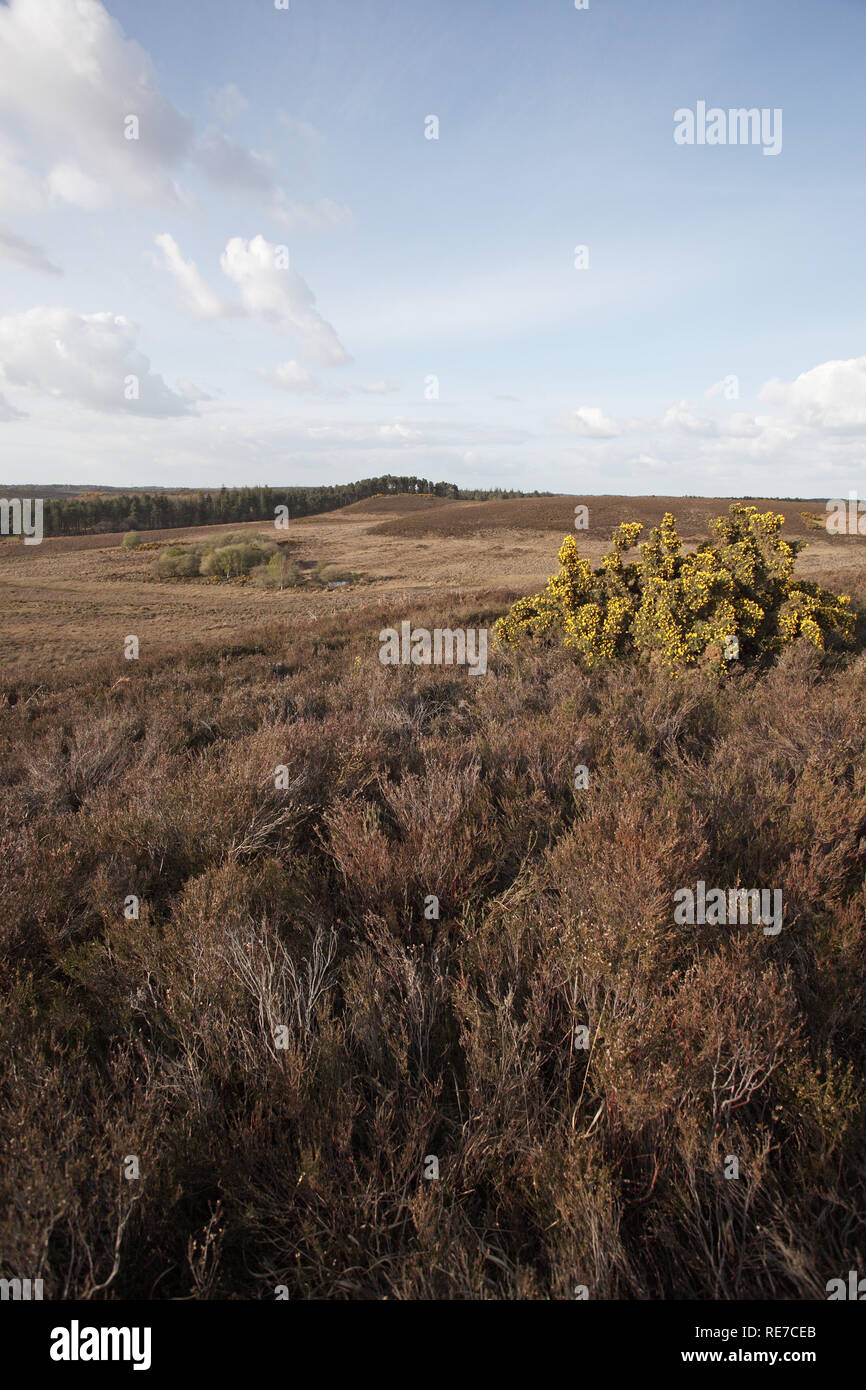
(289, 272)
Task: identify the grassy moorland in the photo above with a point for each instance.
(302, 908)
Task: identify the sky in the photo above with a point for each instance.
(471, 241)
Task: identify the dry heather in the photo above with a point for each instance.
(552, 515)
(303, 909)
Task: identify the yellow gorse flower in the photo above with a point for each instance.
(734, 595)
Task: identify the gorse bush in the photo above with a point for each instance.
(734, 596)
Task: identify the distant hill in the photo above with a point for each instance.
(556, 515)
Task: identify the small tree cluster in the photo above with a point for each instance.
(226, 557)
(735, 595)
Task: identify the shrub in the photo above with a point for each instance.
(228, 558)
(733, 596)
(131, 540)
(280, 572)
(177, 563)
(231, 561)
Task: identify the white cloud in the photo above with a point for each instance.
(269, 290)
(67, 182)
(24, 253)
(590, 422)
(280, 296)
(744, 426)
(89, 358)
(831, 396)
(200, 301)
(69, 78)
(683, 417)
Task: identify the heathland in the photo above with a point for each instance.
(236, 979)
(73, 599)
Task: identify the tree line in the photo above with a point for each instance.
(152, 511)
